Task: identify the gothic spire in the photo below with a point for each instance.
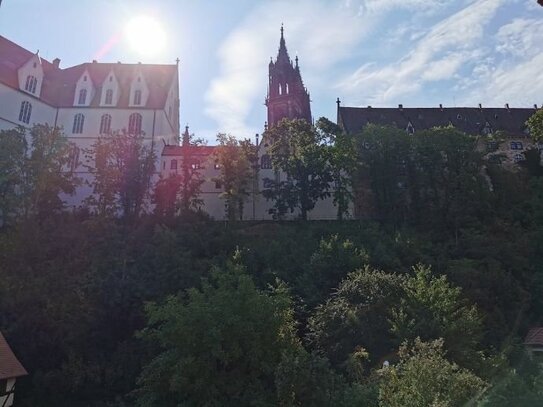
(282, 55)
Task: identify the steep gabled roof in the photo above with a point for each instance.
(471, 120)
(10, 367)
(59, 85)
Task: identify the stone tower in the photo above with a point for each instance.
(287, 95)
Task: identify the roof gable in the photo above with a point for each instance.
(10, 367)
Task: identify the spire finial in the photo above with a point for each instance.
(296, 59)
(282, 29)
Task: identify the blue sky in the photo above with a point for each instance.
(367, 52)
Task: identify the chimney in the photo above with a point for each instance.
(535, 106)
(400, 106)
(94, 61)
(56, 62)
(480, 106)
(507, 106)
(369, 106)
(441, 106)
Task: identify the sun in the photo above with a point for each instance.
(145, 35)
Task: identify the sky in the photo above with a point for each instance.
(419, 53)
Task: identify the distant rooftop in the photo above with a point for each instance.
(10, 367)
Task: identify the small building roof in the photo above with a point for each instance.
(10, 367)
(175, 150)
(534, 337)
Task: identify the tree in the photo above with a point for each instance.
(342, 159)
(219, 345)
(424, 377)
(535, 125)
(299, 152)
(356, 316)
(121, 166)
(431, 308)
(32, 180)
(179, 193)
(236, 160)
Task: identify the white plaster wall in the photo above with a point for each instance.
(10, 106)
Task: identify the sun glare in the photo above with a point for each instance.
(145, 35)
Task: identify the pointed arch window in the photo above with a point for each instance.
(280, 89)
(410, 129)
(286, 88)
(137, 97)
(265, 162)
(25, 112)
(79, 121)
(134, 123)
(82, 96)
(109, 97)
(31, 83)
(105, 124)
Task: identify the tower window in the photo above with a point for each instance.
(109, 97)
(82, 96)
(31, 83)
(173, 165)
(25, 112)
(79, 121)
(105, 124)
(134, 123)
(516, 145)
(286, 88)
(280, 89)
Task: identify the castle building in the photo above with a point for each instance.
(88, 100)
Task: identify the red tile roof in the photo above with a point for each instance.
(10, 367)
(171, 150)
(534, 337)
(59, 84)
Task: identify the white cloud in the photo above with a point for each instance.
(322, 32)
(438, 55)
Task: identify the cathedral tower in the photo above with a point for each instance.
(287, 96)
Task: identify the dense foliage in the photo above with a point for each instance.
(424, 303)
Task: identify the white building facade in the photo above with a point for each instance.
(88, 101)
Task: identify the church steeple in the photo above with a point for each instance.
(287, 95)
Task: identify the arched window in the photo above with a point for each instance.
(286, 88)
(173, 165)
(109, 97)
(134, 123)
(410, 129)
(31, 83)
(82, 96)
(137, 97)
(79, 121)
(280, 89)
(105, 124)
(265, 162)
(25, 112)
(518, 158)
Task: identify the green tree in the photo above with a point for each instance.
(424, 377)
(219, 345)
(342, 159)
(33, 179)
(121, 166)
(356, 316)
(298, 152)
(535, 125)
(431, 308)
(236, 160)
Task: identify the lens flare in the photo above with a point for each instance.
(145, 35)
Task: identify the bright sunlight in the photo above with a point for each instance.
(145, 35)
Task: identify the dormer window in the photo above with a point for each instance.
(111, 78)
(82, 96)
(139, 79)
(85, 78)
(410, 129)
(34, 65)
(31, 83)
(109, 97)
(137, 97)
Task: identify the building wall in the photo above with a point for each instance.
(7, 400)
